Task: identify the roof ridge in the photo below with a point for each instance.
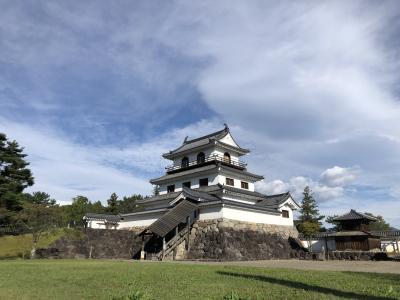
(187, 141)
(280, 194)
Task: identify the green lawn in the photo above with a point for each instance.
(21, 245)
(106, 279)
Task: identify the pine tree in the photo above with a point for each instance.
(156, 190)
(309, 221)
(113, 203)
(14, 177)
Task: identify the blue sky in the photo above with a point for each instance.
(96, 91)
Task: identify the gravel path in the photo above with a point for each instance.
(334, 265)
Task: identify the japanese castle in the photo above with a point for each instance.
(206, 181)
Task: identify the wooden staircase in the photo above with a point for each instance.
(171, 245)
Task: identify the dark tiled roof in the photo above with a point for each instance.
(214, 192)
(167, 196)
(386, 233)
(204, 169)
(232, 190)
(200, 142)
(172, 218)
(196, 194)
(211, 189)
(227, 168)
(274, 200)
(108, 218)
(252, 206)
(349, 233)
(354, 215)
(183, 173)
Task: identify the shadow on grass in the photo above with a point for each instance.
(305, 286)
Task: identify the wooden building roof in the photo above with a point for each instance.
(354, 215)
(102, 217)
(202, 141)
(172, 218)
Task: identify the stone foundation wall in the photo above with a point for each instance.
(225, 239)
(94, 243)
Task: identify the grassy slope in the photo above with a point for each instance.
(14, 246)
(98, 279)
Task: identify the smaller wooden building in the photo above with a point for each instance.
(355, 234)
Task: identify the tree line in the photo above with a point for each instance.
(25, 211)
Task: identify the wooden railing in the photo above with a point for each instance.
(214, 157)
(177, 239)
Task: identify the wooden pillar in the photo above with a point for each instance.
(188, 234)
(163, 248)
(326, 248)
(142, 249)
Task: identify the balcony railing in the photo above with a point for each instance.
(211, 158)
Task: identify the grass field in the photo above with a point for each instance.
(21, 245)
(106, 279)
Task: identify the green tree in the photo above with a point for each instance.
(37, 219)
(309, 222)
(128, 204)
(112, 203)
(79, 207)
(335, 224)
(380, 224)
(41, 198)
(156, 190)
(14, 177)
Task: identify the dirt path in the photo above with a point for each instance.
(354, 266)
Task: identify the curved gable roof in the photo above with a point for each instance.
(203, 141)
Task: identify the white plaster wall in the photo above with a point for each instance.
(193, 156)
(210, 213)
(238, 200)
(221, 151)
(96, 224)
(212, 180)
(237, 181)
(287, 207)
(100, 225)
(254, 217)
(140, 220)
(390, 246)
(318, 245)
(227, 139)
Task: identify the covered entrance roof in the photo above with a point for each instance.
(172, 218)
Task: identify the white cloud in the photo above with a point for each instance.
(338, 176)
(65, 169)
(332, 187)
(272, 187)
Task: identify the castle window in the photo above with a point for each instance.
(285, 214)
(203, 182)
(229, 181)
(244, 185)
(186, 184)
(227, 157)
(201, 158)
(171, 188)
(185, 162)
